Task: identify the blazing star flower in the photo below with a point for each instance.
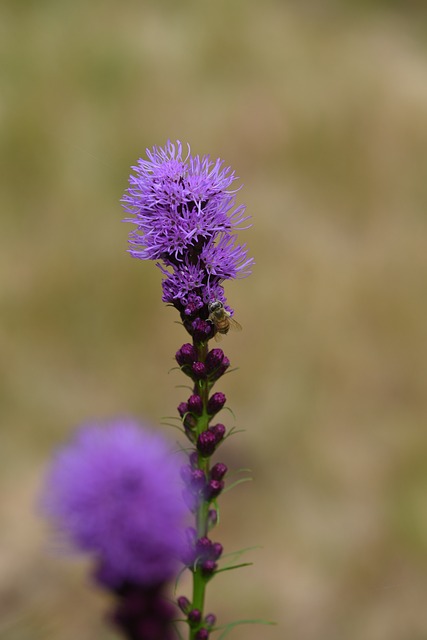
(186, 217)
(114, 492)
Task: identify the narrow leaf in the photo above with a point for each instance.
(234, 484)
(230, 626)
(234, 566)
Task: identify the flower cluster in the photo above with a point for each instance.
(184, 210)
(114, 492)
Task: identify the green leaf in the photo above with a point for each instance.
(240, 552)
(228, 409)
(231, 370)
(230, 626)
(234, 484)
(173, 426)
(174, 369)
(234, 566)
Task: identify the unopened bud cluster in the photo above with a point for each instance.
(203, 482)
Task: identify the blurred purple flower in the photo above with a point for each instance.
(114, 491)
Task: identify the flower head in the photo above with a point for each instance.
(185, 213)
(114, 492)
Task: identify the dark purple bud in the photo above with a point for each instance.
(217, 550)
(182, 409)
(212, 518)
(186, 355)
(210, 620)
(219, 431)
(222, 368)
(195, 404)
(218, 471)
(199, 370)
(198, 480)
(202, 634)
(206, 443)
(194, 459)
(204, 547)
(217, 363)
(201, 330)
(189, 424)
(208, 567)
(184, 604)
(216, 403)
(213, 489)
(214, 359)
(195, 616)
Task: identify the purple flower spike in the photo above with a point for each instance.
(185, 216)
(114, 492)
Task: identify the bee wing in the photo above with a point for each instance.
(218, 336)
(234, 325)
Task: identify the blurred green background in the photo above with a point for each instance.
(321, 107)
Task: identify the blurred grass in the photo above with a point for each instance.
(322, 109)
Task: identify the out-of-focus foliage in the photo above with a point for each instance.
(322, 109)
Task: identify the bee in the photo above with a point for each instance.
(221, 319)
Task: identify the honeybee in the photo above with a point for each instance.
(221, 319)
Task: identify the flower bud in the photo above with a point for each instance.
(210, 620)
(208, 567)
(206, 443)
(184, 604)
(202, 634)
(195, 616)
(204, 547)
(214, 359)
(212, 518)
(216, 363)
(219, 431)
(217, 550)
(218, 471)
(182, 409)
(195, 404)
(199, 370)
(198, 480)
(201, 330)
(213, 489)
(186, 355)
(216, 403)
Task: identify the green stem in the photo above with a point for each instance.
(199, 581)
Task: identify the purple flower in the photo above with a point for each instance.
(184, 210)
(114, 492)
